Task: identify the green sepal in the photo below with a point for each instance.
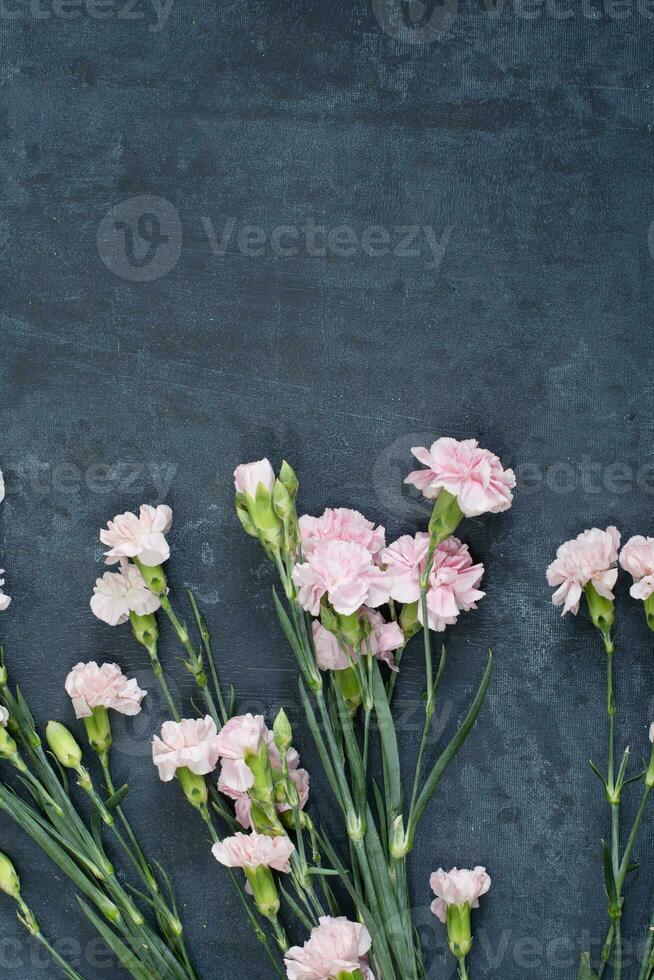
(194, 786)
(98, 730)
(445, 517)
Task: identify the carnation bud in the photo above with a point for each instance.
(3, 675)
(282, 502)
(9, 880)
(63, 745)
(194, 786)
(398, 842)
(445, 517)
(264, 890)
(244, 517)
(459, 932)
(602, 612)
(283, 732)
(144, 628)
(153, 576)
(289, 479)
(263, 789)
(98, 730)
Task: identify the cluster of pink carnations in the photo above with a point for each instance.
(338, 572)
(586, 569)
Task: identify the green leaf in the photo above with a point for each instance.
(124, 955)
(609, 881)
(450, 751)
(117, 798)
(388, 738)
(320, 743)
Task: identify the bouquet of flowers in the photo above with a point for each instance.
(348, 603)
(586, 569)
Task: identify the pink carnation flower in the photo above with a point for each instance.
(405, 559)
(335, 946)
(90, 686)
(248, 476)
(253, 851)
(240, 736)
(142, 537)
(457, 887)
(475, 476)
(116, 594)
(591, 557)
(637, 558)
(341, 524)
(4, 599)
(345, 573)
(651, 732)
(4, 716)
(191, 743)
(453, 582)
(246, 733)
(383, 639)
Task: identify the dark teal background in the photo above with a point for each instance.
(134, 369)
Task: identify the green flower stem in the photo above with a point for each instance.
(206, 642)
(614, 796)
(59, 960)
(463, 973)
(247, 906)
(159, 674)
(646, 963)
(138, 851)
(194, 664)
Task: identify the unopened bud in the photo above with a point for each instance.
(9, 880)
(282, 502)
(283, 732)
(63, 745)
(289, 479)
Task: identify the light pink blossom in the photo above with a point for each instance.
(457, 887)
(335, 946)
(383, 639)
(243, 734)
(405, 559)
(191, 743)
(590, 557)
(475, 476)
(452, 586)
(637, 558)
(345, 573)
(142, 537)
(253, 851)
(248, 476)
(239, 737)
(90, 686)
(4, 599)
(651, 732)
(341, 524)
(2, 487)
(116, 594)
(4, 716)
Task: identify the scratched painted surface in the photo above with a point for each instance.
(313, 230)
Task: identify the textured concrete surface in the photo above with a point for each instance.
(484, 181)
